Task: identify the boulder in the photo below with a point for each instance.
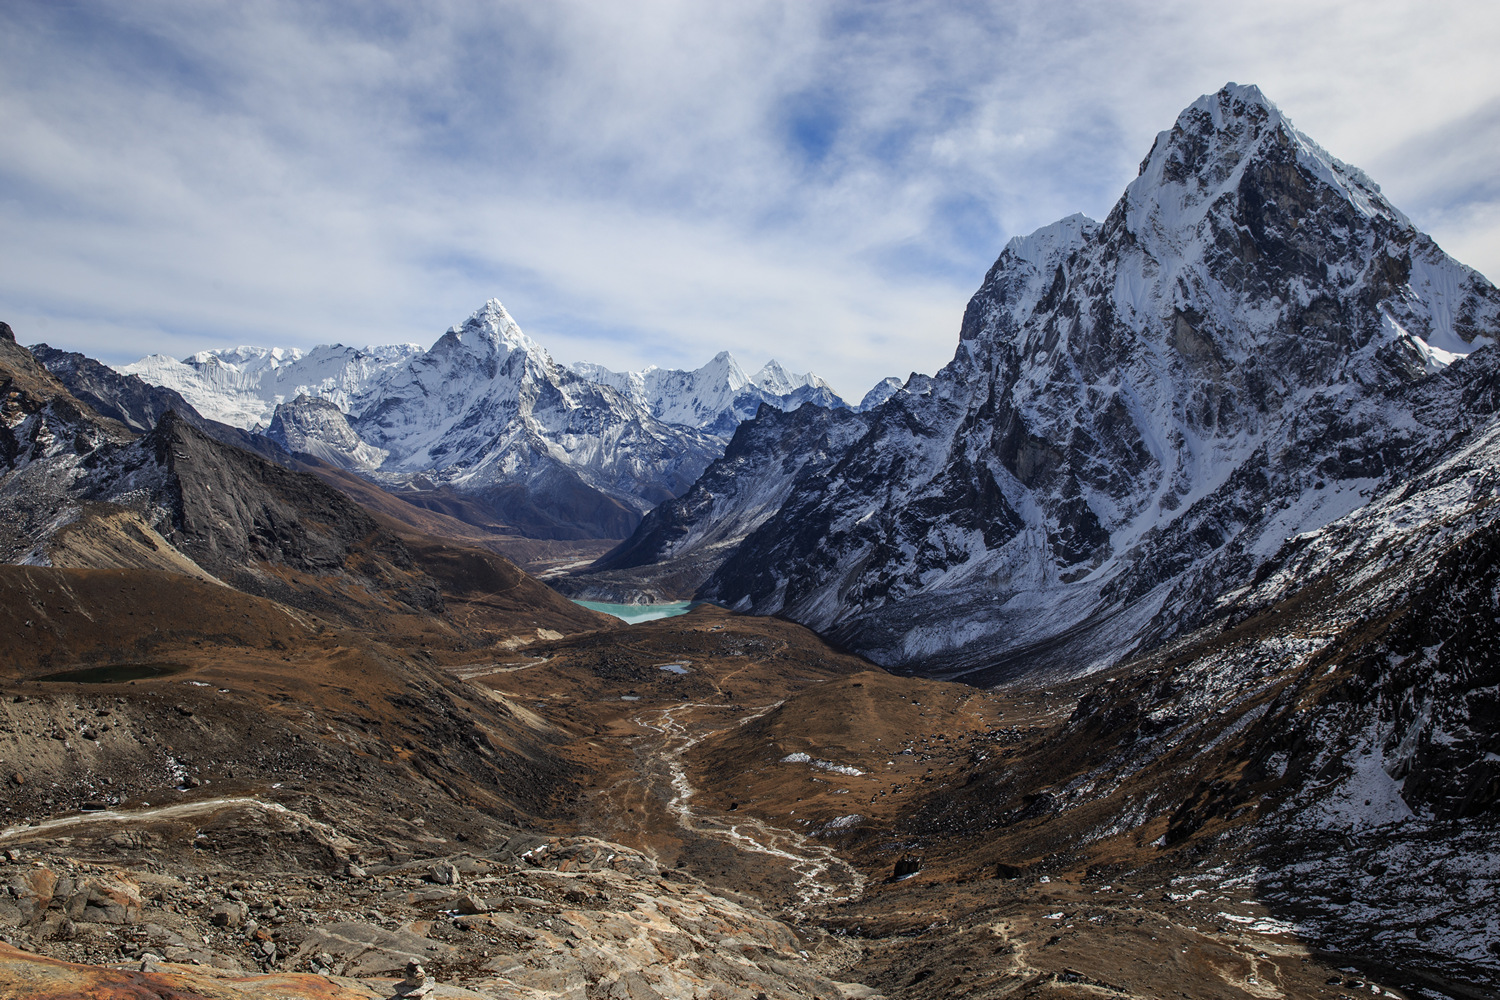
(106, 900)
(469, 904)
(444, 874)
(229, 913)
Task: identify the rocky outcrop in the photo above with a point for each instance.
(47, 435)
(139, 404)
(130, 400)
(39, 417)
(574, 917)
(319, 428)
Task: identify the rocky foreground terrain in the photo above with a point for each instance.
(569, 818)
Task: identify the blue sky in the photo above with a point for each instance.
(653, 182)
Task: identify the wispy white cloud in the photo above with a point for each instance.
(651, 182)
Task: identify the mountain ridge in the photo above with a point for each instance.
(718, 396)
(1137, 413)
(487, 415)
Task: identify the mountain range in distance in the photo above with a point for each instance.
(487, 425)
(243, 386)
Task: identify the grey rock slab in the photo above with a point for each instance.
(370, 950)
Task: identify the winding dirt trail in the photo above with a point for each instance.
(822, 877)
(178, 810)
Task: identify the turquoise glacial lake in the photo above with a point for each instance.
(634, 613)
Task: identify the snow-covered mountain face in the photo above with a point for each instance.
(879, 393)
(1138, 414)
(680, 543)
(716, 398)
(319, 428)
(487, 407)
(486, 411)
(242, 387)
(1337, 721)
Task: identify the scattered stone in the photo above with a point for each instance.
(470, 905)
(444, 874)
(229, 914)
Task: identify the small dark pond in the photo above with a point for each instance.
(115, 673)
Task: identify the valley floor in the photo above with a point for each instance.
(727, 814)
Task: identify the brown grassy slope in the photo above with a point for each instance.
(256, 695)
(486, 594)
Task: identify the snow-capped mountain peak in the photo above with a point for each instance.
(1205, 156)
(491, 335)
(774, 378)
(880, 392)
(1050, 245)
(723, 368)
(716, 397)
(1137, 409)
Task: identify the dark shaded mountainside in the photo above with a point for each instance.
(85, 491)
(441, 511)
(681, 542)
(138, 404)
(1139, 414)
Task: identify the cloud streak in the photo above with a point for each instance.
(651, 182)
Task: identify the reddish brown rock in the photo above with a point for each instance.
(24, 976)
